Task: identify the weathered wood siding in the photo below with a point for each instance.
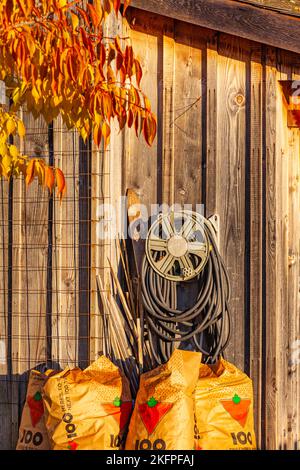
(222, 141)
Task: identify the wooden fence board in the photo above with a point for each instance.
(5, 390)
(231, 75)
(256, 221)
(65, 281)
(187, 115)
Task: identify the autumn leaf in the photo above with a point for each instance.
(126, 5)
(49, 178)
(30, 172)
(106, 134)
(96, 19)
(117, 4)
(21, 128)
(138, 72)
(14, 152)
(75, 20)
(97, 134)
(10, 126)
(60, 183)
(149, 128)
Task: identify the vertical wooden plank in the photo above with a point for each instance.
(106, 208)
(141, 164)
(231, 76)
(84, 252)
(212, 181)
(65, 282)
(5, 410)
(293, 287)
(187, 114)
(282, 139)
(169, 112)
(273, 240)
(255, 232)
(29, 269)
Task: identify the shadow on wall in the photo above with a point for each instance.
(12, 396)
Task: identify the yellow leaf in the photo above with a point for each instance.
(14, 152)
(21, 129)
(3, 149)
(75, 20)
(10, 126)
(83, 133)
(6, 165)
(106, 134)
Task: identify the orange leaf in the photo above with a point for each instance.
(97, 134)
(138, 71)
(60, 182)
(84, 15)
(30, 172)
(149, 128)
(96, 19)
(49, 178)
(126, 5)
(117, 4)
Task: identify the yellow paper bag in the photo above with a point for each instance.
(224, 409)
(32, 432)
(163, 416)
(89, 409)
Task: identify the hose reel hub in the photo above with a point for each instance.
(177, 247)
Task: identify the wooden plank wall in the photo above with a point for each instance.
(223, 142)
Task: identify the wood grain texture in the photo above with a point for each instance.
(232, 150)
(271, 325)
(242, 20)
(231, 76)
(142, 166)
(5, 366)
(255, 234)
(212, 175)
(30, 218)
(65, 280)
(187, 115)
(29, 270)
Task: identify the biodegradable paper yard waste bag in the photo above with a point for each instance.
(88, 409)
(32, 432)
(224, 408)
(163, 416)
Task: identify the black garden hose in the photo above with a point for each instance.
(205, 326)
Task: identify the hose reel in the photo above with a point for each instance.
(182, 247)
(177, 247)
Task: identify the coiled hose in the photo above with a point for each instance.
(204, 326)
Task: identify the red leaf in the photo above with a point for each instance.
(96, 19)
(138, 72)
(117, 4)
